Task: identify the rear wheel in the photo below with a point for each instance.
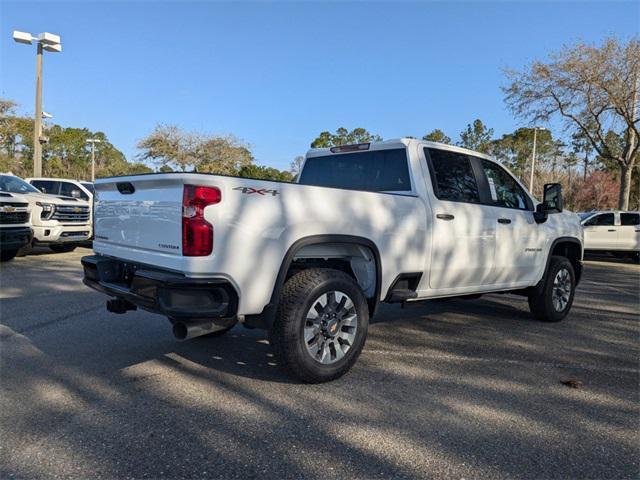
(552, 301)
(6, 255)
(62, 248)
(321, 325)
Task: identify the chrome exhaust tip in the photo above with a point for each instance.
(185, 331)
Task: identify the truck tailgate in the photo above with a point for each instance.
(143, 212)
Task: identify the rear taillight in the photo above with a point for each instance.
(197, 233)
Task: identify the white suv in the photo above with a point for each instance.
(615, 232)
(62, 223)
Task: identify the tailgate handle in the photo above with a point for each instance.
(125, 188)
(611, 230)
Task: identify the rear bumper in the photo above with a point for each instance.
(170, 294)
(14, 238)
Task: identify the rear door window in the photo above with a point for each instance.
(630, 219)
(375, 171)
(452, 176)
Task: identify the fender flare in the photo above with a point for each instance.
(553, 245)
(266, 318)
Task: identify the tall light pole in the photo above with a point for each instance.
(533, 157)
(93, 142)
(50, 43)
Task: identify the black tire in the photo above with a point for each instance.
(541, 300)
(24, 251)
(635, 257)
(298, 296)
(6, 255)
(62, 248)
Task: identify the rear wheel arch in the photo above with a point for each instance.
(298, 257)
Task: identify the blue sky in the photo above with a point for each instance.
(276, 74)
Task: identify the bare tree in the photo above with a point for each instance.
(595, 90)
(172, 147)
(296, 165)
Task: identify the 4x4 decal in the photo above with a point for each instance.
(259, 191)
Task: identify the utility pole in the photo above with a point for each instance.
(93, 142)
(533, 157)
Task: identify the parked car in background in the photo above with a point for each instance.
(614, 232)
(60, 222)
(15, 227)
(396, 221)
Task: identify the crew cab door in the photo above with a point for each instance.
(600, 232)
(629, 231)
(519, 239)
(463, 236)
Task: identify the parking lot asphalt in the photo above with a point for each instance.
(455, 389)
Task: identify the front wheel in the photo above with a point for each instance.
(552, 301)
(62, 248)
(321, 324)
(6, 255)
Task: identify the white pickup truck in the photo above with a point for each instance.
(15, 227)
(396, 221)
(59, 222)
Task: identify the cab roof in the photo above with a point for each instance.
(398, 143)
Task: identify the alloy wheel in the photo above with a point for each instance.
(330, 327)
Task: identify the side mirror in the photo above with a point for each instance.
(551, 202)
(76, 193)
(552, 198)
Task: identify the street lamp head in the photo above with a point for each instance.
(57, 48)
(49, 41)
(22, 37)
(47, 38)
(46, 115)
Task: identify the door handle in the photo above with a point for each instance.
(504, 220)
(611, 230)
(445, 216)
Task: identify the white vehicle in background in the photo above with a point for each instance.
(61, 223)
(397, 221)
(15, 227)
(65, 187)
(614, 232)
